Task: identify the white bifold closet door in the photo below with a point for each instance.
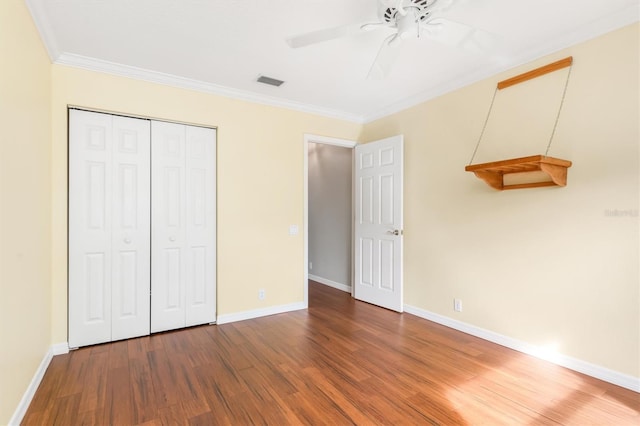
(109, 227)
(183, 236)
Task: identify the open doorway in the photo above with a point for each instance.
(328, 211)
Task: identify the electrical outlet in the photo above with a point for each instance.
(310, 265)
(457, 305)
(261, 294)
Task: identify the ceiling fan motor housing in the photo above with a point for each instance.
(420, 8)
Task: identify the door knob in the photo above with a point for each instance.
(395, 232)
(127, 240)
(172, 238)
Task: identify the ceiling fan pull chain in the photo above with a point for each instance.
(484, 126)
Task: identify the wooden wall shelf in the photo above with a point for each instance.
(493, 173)
(556, 169)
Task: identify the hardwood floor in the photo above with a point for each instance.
(339, 362)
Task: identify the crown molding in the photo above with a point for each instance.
(113, 68)
(621, 18)
(38, 14)
(44, 29)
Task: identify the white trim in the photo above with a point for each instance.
(311, 138)
(599, 372)
(305, 220)
(257, 313)
(327, 140)
(27, 397)
(113, 68)
(330, 283)
(626, 16)
(44, 29)
(60, 348)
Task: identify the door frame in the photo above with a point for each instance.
(311, 138)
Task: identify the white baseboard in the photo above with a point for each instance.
(60, 348)
(330, 283)
(257, 313)
(602, 373)
(23, 405)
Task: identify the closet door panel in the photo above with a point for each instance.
(168, 206)
(90, 218)
(201, 225)
(131, 232)
(142, 227)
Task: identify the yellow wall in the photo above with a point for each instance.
(25, 212)
(552, 267)
(260, 176)
(546, 266)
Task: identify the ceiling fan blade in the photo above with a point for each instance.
(374, 26)
(320, 36)
(385, 58)
(459, 35)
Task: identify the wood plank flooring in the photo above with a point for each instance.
(340, 362)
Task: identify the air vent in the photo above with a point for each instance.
(270, 81)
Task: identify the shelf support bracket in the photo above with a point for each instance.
(493, 179)
(558, 174)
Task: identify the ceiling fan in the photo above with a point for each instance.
(408, 19)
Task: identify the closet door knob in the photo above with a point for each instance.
(172, 238)
(127, 240)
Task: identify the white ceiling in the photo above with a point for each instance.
(222, 46)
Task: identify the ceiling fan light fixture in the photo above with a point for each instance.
(408, 25)
(408, 20)
(396, 9)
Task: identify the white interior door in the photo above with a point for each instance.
(90, 182)
(168, 233)
(378, 223)
(183, 271)
(108, 228)
(131, 231)
(201, 225)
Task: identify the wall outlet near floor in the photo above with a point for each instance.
(310, 265)
(457, 305)
(261, 294)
